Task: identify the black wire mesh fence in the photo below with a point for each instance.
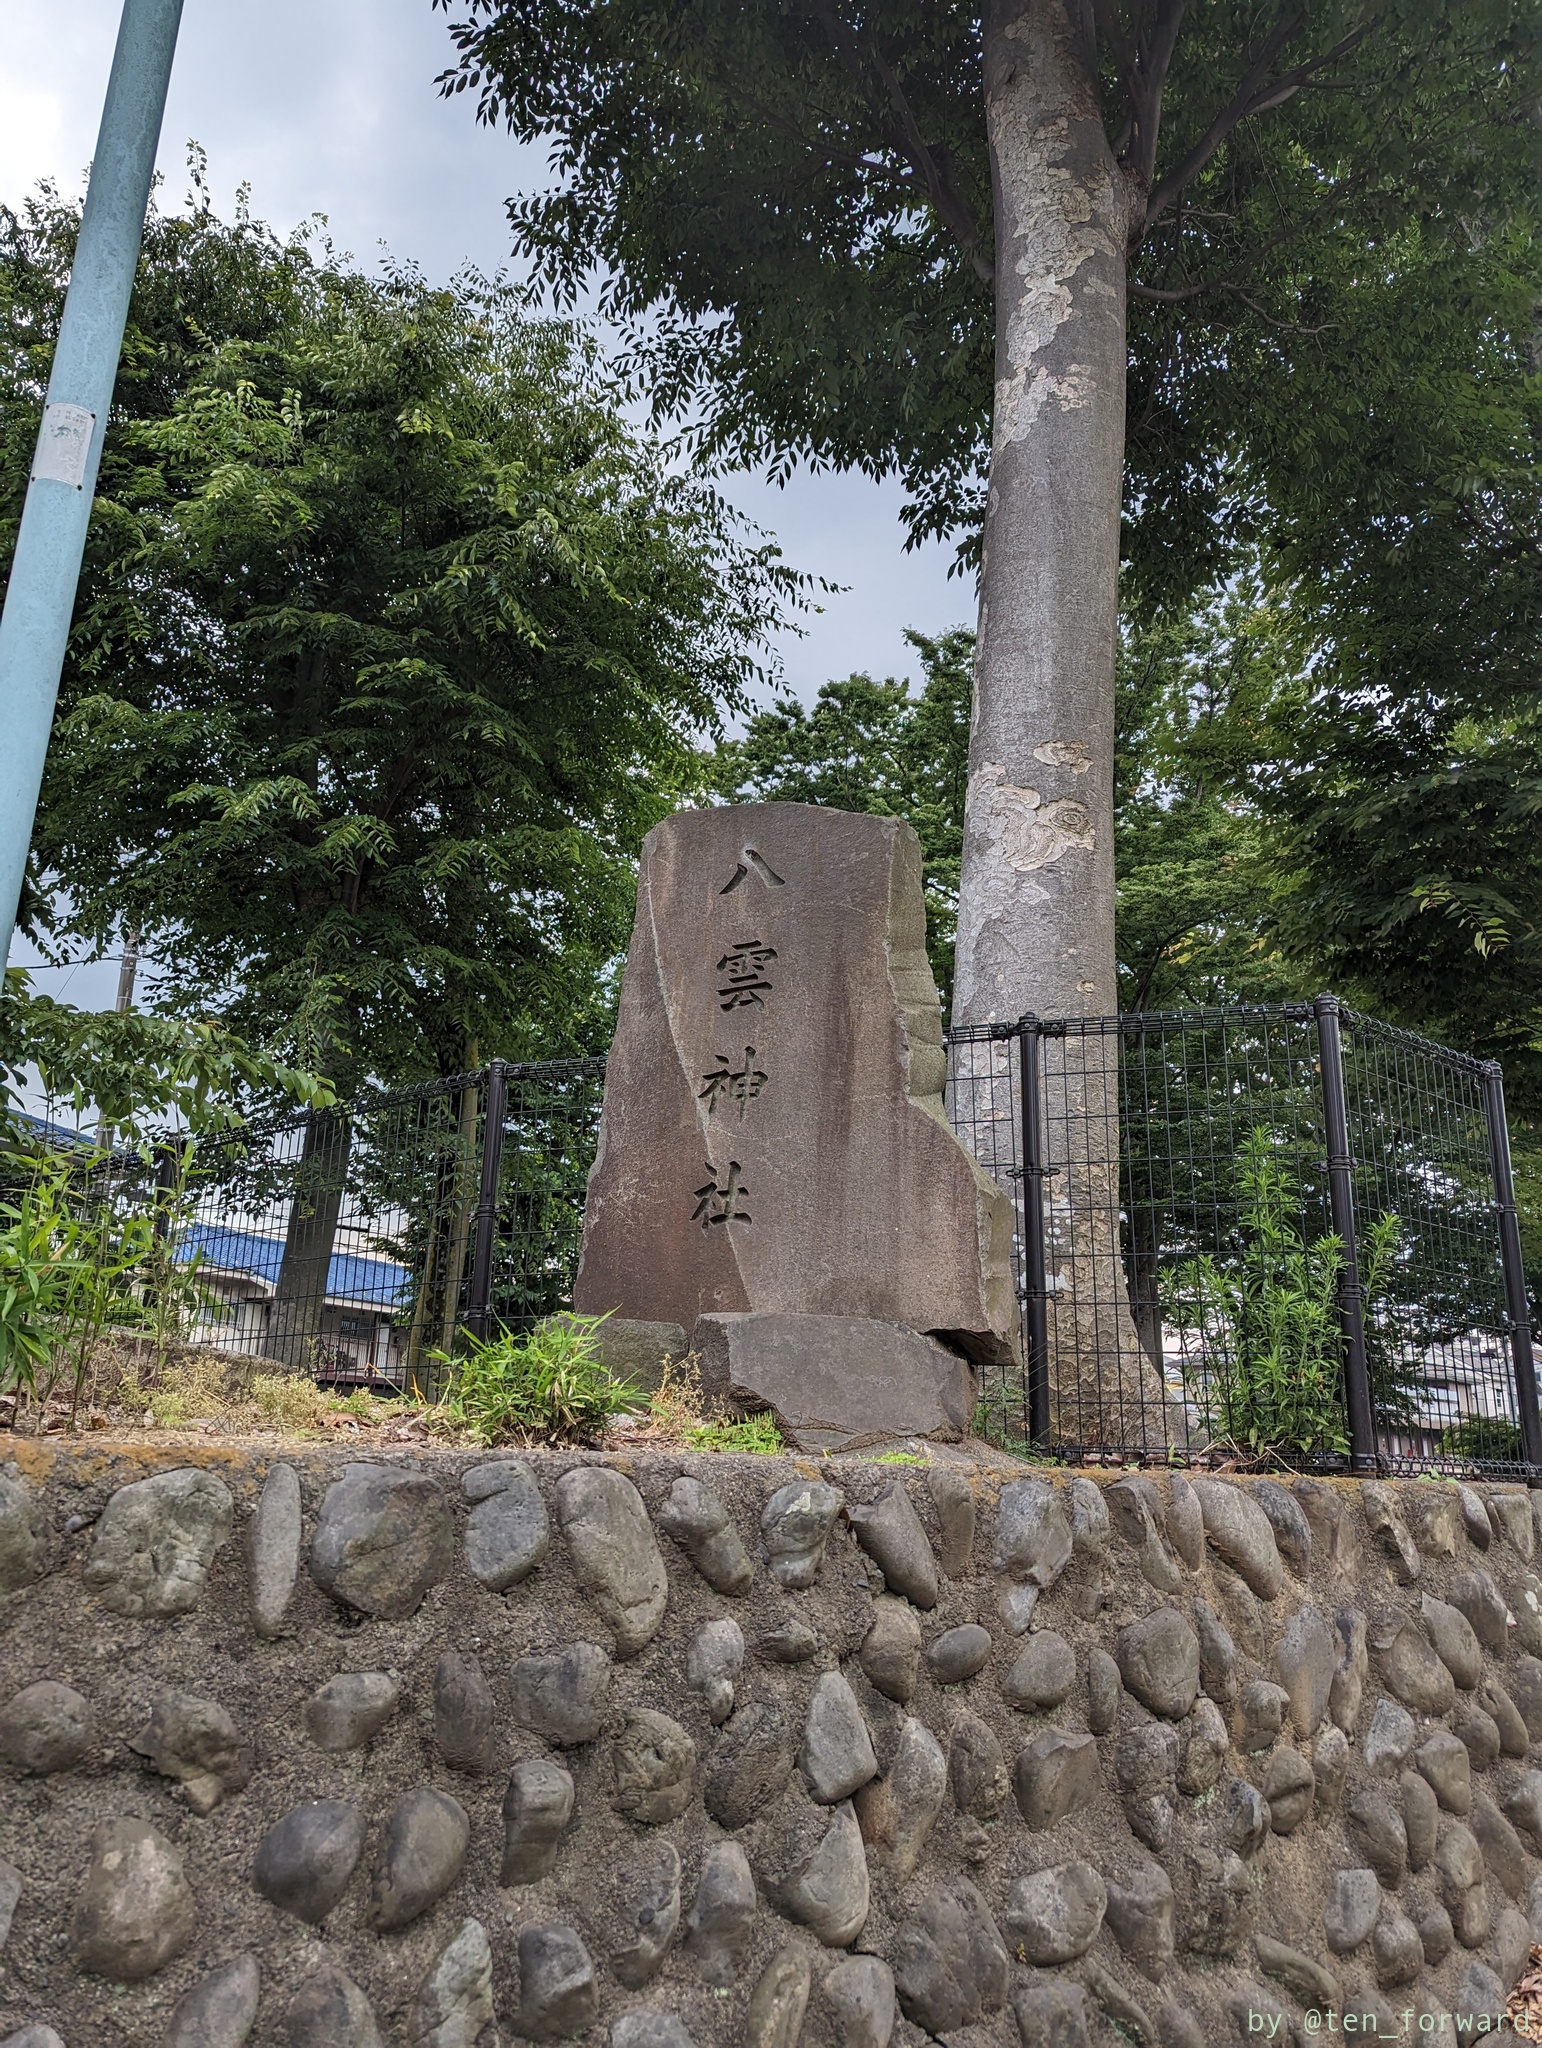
(358, 1245)
(1281, 1235)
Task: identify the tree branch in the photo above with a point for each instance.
(1256, 94)
(903, 134)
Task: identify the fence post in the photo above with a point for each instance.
(1341, 1201)
(1035, 1288)
(487, 1202)
(1518, 1314)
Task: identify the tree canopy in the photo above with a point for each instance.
(392, 642)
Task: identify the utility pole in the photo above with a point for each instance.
(128, 968)
(35, 624)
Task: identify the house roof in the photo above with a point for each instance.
(352, 1281)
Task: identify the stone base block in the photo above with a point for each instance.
(636, 1350)
(835, 1383)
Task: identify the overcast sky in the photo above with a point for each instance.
(328, 106)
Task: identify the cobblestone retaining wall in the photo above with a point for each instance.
(651, 1752)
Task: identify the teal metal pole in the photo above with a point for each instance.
(40, 596)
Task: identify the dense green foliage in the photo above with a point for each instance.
(548, 1383)
(392, 642)
(791, 211)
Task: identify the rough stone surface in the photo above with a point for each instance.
(1421, 1818)
(562, 1696)
(779, 2001)
(385, 1537)
(45, 1727)
(1478, 1734)
(890, 1531)
(1105, 1689)
(834, 1382)
(950, 1965)
(796, 1643)
(1455, 1643)
(953, 1500)
(135, 1910)
(1159, 1663)
(825, 1886)
(1347, 1693)
(558, 1994)
(1260, 1715)
(1240, 1532)
(794, 1527)
(1051, 2012)
(1212, 1881)
(1302, 1975)
(1056, 1773)
(1376, 1831)
(1186, 1522)
(1444, 1765)
(195, 1741)
(615, 1553)
(273, 1550)
(861, 1993)
(1384, 1521)
(10, 1897)
(1396, 1949)
(891, 1650)
(1044, 1674)
(330, 2011)
(896, 1813)
(958, 1653)
(647, 1892)
(713, 1664)
(454, 2004)
(346, 1711)
(155, 1541)
(977, 1768)
(464, 1712)
(422, 1848)
(1219, 1664)
(220, 2010)
(23, 1533)
(812, 953)
(1032, 1546)
(1512, 1513)
(508, 1531)
(1205, 1748)
(653, 1762)
(1141, 1916)
(305, 1861)
(1146, 1769)
(698, 1521)
(537, 1807)
(1437, 1522)
(722, 1919)
(1305, 1659)
(1389, 1738)
(1053, 1915)
(1412, 1672)
(1287, 1518)
(1289, 1787)
(751, 1764)
(1525, 1688)
(1352, 1910)
(1475, 1596)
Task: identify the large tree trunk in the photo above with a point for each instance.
(295, 1312)
(1036, 897)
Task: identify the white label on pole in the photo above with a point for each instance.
(63, 445)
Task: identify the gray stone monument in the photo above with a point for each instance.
(774, 1145)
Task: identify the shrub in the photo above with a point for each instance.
(549, 1383)
(1489, 1437)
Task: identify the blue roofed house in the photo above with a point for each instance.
(368, 1299)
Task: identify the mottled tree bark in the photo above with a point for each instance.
(1036, 899)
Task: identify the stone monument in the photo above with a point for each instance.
(776, 1175)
